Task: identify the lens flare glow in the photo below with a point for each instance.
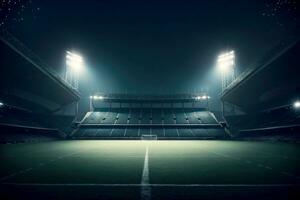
(296, 104)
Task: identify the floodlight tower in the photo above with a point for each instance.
(226, 65)
(74, 64)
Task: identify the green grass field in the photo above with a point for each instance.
(150, 170)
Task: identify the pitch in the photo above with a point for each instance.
(150, 170)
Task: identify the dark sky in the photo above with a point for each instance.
(151, 46)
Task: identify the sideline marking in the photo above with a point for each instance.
(145, 186)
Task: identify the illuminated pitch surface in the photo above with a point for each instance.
(175, 169)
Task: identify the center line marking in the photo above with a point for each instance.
(145, 186)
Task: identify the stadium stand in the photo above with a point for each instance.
(122, 117)
(149, 116)
(278, 118)
(40, 104)
(268, 110)
(164, 123)
(134, 116)
(23, 134)
(18, 125)
(132, 132)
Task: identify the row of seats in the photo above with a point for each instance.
(150, 116)
(159, 132)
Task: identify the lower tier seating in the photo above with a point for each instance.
(137, 133)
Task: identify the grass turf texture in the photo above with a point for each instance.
(177, 169)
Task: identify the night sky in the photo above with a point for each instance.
(149, 46)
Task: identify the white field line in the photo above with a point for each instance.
(145, 187)
(150, 185)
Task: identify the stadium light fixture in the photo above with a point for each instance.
(74, 61)
(204, 97)
(1, 104)
(296, 104)
(74, 65)
(92, 99)
(226, 66)
(96, 97)
(226, 61)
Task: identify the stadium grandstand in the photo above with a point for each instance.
(149, 101)
(162, 117)
(271, 108)
(30, 111)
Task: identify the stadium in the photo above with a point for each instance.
(132, 117)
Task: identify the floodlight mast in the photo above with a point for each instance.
(74, 63)
(226, 66)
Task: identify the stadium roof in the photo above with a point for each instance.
(27, 81)
(273, 82)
